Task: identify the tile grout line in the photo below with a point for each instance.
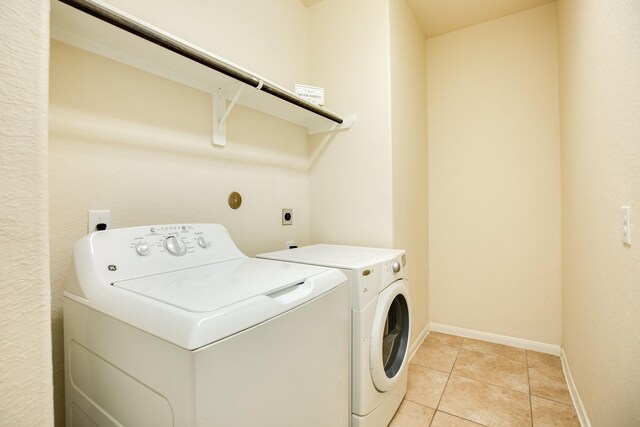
(492, 354)
(498, 355)
(553, 400)
(445, 387)
(473, 379)
(464, 419)
(450, 373)
(447, 383)
(492, 384)
(564, 402)
(526, 365)
(431, 367)
(495, 385)
(564, 381)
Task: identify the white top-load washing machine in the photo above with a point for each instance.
(381, 323)
(173, 326)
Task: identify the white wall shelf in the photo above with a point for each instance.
(102, 29)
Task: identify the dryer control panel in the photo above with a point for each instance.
(118, 254)
(372, 280)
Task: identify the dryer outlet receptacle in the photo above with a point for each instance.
(98, 221)
(287, 216)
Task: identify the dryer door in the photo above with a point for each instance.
(390, 336)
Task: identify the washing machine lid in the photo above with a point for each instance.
(338, 256)
(188, 284)
(212, 287)
(198, 306)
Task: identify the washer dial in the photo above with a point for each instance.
(175, 246)
(142, 249)
(202, 242)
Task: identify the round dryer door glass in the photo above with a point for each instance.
(390, 336)
(395, 336)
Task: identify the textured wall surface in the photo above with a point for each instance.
(409, 145)
(25, 351)
(600, 117)
(494, 177)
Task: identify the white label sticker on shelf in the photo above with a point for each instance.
(312, 94)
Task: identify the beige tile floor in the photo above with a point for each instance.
(462, 382)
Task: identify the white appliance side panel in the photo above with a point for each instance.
(97, 345)
(79, 418)
(102, 383)
(299, 361)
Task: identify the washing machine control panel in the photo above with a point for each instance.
(119, 254)
(174, 240)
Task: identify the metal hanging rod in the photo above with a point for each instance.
(98, 11)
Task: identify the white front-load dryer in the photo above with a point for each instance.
(381, 324)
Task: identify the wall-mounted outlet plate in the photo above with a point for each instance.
(98, 220)
(287, 216)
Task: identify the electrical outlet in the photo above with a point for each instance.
(98, 220)
(287, 216)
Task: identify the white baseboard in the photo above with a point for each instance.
(418, 341)
(573, 391)
(495, 338)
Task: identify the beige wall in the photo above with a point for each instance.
(351, 181)
(368, 184)
(266, 37)
(139, 145)
(600, 116)
(26, 397)
(409, 153)
(494, 177)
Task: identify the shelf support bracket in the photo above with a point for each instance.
(220, 113)
(348, 121)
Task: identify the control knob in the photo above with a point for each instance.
(395, 266)
(142, 249)
(175, 246)
(202, 242)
